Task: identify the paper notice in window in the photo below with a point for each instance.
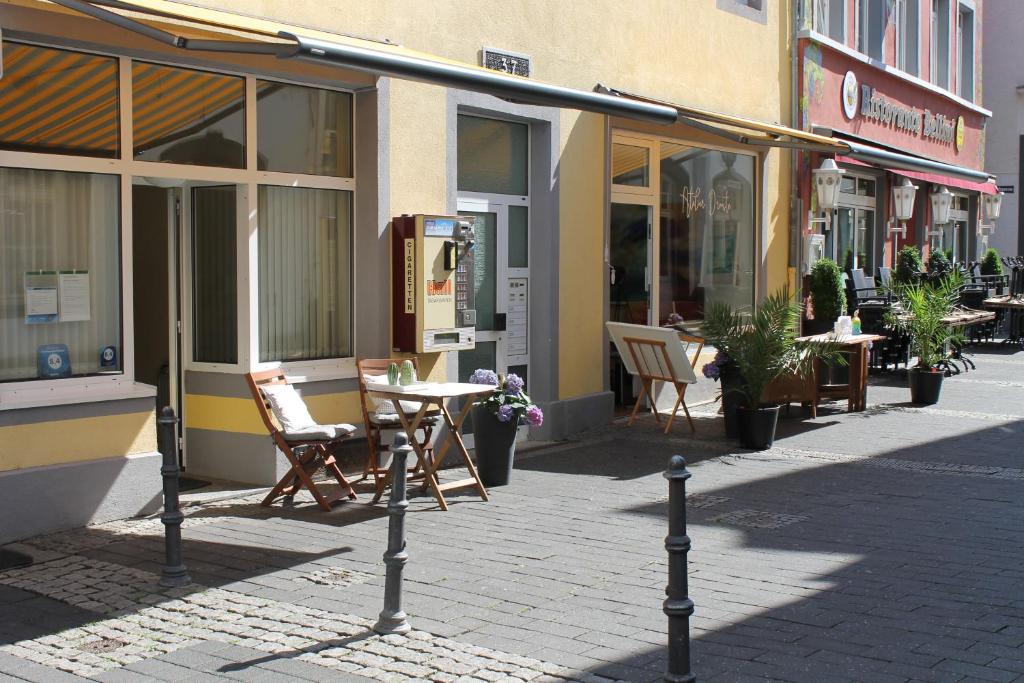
(74, 296)
(40, 297)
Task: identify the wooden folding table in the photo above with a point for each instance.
(427, 396)
(856, 345)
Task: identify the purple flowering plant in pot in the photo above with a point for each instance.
(496, 417)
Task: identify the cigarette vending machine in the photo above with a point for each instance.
(432, 283)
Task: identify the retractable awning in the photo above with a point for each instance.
(897, 161)
(988, 187)
(739, 130)
(238, 34)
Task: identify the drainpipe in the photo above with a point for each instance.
(795, 205)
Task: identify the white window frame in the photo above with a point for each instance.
(900, 17)
(966, 7)
(863, 43)
(934, 70)
(38, 392)
(626, 194)
(821, 18)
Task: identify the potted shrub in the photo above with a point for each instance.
(992, 267)
(938, 266)
(919, 313)
(908, 266)
(763, 347)
(495, 421)
(828, 296)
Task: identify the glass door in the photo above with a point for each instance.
(629, 266)
(501, 282)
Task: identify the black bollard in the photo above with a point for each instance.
(678, 606)
(392, 618)
(173, 574)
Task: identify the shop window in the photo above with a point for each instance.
(58, 101)
(939, 53)
(305, 273)
(829, 18)
(60, 274)
(907, 15)
(214, 275)
(184, 116)
(303, 130)
(871, 22)
(707, 231)
(965, 43)
(631, 165)
(493, 156)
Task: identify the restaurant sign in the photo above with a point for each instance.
(910, 120)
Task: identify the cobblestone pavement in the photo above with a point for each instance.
(881, 546)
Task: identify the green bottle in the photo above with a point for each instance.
(393, 373)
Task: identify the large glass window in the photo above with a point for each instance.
(58, 101)
(184, 116)
(303, 130)
(60, 284)
(707, 230)
(492, 156)
(214, 275)
(631, 165)
(305, 273)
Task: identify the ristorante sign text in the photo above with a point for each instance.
(906, 119)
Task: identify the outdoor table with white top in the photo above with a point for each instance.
(856, 345)
(429, 395)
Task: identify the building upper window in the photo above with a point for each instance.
(965, 41)
(184, 116)
(318, 124)
(907, 15)
(939, 53)
(871, 21)
(58, 101)
(829, 18)
(756, 10)
(493, 156)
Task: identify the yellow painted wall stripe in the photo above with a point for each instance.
(239, 414)
(87, 438)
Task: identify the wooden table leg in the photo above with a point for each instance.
(854, 387)
(410, 427)
(454, 430)
(864, 366)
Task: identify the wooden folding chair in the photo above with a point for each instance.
(658, 354)
(375, 423)
(307, 456)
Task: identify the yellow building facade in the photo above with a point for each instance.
(230, 212)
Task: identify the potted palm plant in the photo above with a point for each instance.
(919, 312)
(495, 421)
(992, 267)
(763, 346)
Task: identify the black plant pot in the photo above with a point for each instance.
(925, 386)
(494, 446)
(731, 399)
(757, 426)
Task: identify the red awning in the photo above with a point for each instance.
(934, 178)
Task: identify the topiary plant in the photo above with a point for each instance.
(938, 265)
(908, 266)
(990, 263)
(827, 293)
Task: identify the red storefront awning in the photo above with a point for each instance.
(936, 178)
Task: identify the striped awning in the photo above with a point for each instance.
(61, 101)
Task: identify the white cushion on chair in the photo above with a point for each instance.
(288, 407)
(319, 433)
